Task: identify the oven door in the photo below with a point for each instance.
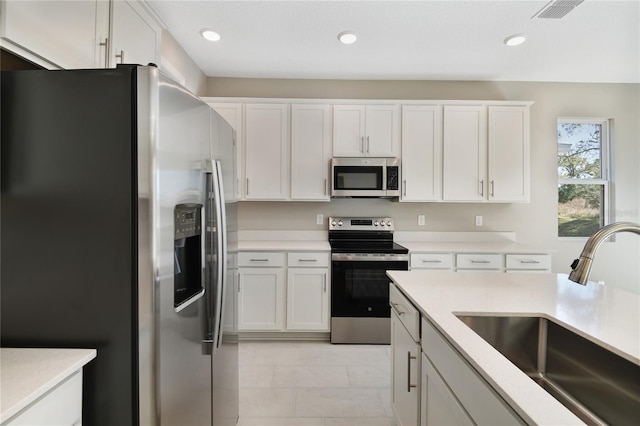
(359, 287)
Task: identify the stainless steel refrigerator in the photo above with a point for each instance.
(113, 237)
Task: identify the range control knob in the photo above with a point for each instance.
(382, 223)
(375, 223)
(333, 223)
(388, 223)
(339, 223)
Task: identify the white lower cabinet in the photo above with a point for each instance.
(61, 405)
(307, 299)
(405, 359)
(278, 296)
(260, 299)
(439, 406)
(458, 392)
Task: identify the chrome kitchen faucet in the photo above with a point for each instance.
(582, 267)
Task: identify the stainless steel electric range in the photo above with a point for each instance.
(362, 250)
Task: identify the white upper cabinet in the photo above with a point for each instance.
(135, 37)
(57, 34)
(486, 153)
(310, 152)
(421, 153)
(267, 151)
(465, 153)
(508, 152)
(366, 131)
(232, 113)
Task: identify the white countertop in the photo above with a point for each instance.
(470, 247)
(283, 245)
(603, 314)
(27, 374)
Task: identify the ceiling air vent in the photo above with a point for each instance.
(557, 9)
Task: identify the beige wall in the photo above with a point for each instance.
(534, 223)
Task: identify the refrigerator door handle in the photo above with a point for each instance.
(221, 241)
(217, 249)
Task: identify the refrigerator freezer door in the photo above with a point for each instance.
(184, 372)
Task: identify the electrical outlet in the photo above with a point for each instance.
(420, 220)
(319, 219)
(478, 220)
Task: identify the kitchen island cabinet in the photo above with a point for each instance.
(42, 386)
(479, 382)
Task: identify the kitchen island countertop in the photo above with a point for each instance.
(603, 314)
(26, 374)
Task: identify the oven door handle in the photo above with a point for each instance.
(369, 257)
(395, 309)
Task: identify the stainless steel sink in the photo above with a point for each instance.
(600, 387)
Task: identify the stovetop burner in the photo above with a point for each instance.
(363, 235)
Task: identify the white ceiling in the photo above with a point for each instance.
(598, 41)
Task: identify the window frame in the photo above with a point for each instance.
(605, 169)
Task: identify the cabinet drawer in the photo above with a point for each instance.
(431, 261)
(308, 259)
(479, 261)
(529, 262)
(261, 259)
(408, 314)
(479, 399)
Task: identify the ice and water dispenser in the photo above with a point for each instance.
(187, 266)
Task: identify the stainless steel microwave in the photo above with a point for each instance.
(365, 177)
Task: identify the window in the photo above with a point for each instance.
(583, 176)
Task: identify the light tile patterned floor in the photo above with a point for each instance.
(314, 384)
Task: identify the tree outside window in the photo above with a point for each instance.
(583, 176)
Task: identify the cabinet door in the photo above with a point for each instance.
(225, 146)
(232, 113)
(230, 303)
(382, 135)
(308, 299)
(439, 406)
(310, 152)
(66, 34)
(421, 153)
(266, 151)
(348, 131)
(465, 153)
(135, 38)
(261, 299)
(405, 374)
(508, 151)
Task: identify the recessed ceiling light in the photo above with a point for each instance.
(347, 37)
(515, 40)
(210, 34)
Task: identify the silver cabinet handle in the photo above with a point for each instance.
(492, 187)
(367, 144)
(404, 187)
(239, 282)
(247, 186)
(529, 261)
(121, 56)
(325, 282)
(326, 187)
(482, 188)
(395, 308)
(307, 260)
(106, 52)
(480, 261)
(362, 144)
(409, 358)
(258, 260)
(431, 261)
